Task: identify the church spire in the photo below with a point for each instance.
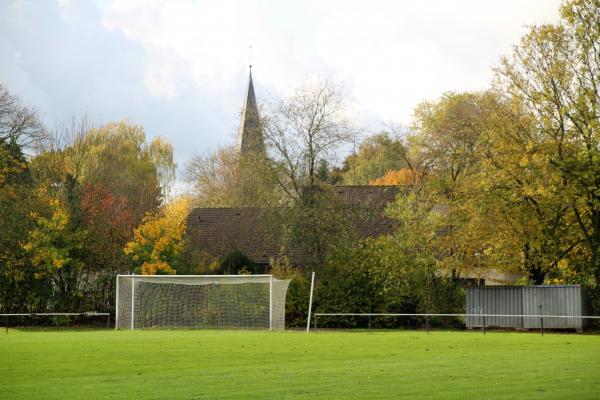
(250, 138)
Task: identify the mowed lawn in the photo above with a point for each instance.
(184, 364)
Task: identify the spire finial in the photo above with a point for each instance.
(250, 57)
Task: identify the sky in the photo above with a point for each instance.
(180, 68)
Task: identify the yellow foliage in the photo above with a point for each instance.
(51, 244)
(158, 241)
(158, 268)
(403, 176)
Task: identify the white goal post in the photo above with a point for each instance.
(200, 302)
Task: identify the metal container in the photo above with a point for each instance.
(527, 300)
(553, 300)
(504, 300)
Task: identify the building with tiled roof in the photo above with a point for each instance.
(218, 232)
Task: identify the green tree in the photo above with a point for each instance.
(449, 131)
(56, 252)
(376, 155)
(495, 187)
(554, 75)
(17, 198)
(20, 131)
(315, 226)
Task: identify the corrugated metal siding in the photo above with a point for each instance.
(526, 300)
(552, 300)
(495, 300)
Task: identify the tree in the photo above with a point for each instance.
(302, 131)
(402, 176)
(448, 135)
(106, 178)
(20, 131)
(117, 156)
(396, 273)
(554, 75)
(17, 199)
(516, 190)
(19, 124)
(312, 228)
(442, 153)
(109, 219)
(376, 155)
(158, 242)
(225, 179)
(56, 252)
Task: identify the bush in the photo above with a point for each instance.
(236, 262)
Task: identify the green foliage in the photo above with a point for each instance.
(553, 78)
(398, 273)
(313, 226)
(235, 263)
(16, 199)
(56, 253)
(374, 157)
(297, 298)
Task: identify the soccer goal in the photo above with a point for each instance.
(200, 301)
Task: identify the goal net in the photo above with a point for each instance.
(200, 301)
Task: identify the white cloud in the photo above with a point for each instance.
(398, 53)
(179, 67)
(393, 54)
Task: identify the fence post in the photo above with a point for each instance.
(6, 322)
(542, 319)
(427, 323)
(484, 325)
(369, 323)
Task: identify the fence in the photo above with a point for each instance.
(6, 317)
(484, 318)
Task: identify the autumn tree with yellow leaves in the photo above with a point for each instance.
(56, 252)
(403, 176)
(158, 242)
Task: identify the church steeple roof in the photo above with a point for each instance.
(250, 138)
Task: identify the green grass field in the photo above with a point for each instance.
(293, 365)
